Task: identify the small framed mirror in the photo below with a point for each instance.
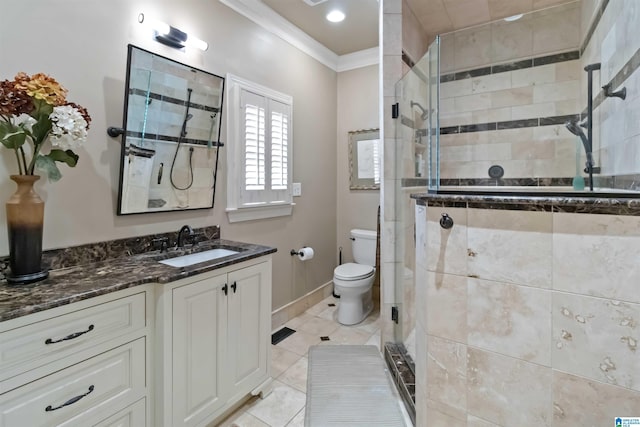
(364, 159)
(171, 135)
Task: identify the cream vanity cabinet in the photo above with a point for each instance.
(212, 342)
(83, 364)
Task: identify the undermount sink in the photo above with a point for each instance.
(187, 260)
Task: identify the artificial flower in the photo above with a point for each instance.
(34, 110)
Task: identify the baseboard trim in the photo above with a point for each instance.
(295, 308)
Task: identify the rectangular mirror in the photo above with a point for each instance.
(171, 135)
(364, 159)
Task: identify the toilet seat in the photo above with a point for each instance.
(351, 271)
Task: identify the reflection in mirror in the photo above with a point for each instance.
(172, 135)
(364, 159)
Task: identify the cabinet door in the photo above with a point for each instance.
(199, 336)
(249, 325)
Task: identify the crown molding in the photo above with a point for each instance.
(359, 59)
(267, 18)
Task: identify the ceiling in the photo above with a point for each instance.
(441, 16)
(357, 32)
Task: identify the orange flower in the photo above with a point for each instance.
(41, 86)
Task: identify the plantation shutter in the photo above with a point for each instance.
(279, 145)
(267, 139)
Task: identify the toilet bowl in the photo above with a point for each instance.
(353, 281)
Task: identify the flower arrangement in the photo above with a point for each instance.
(34, 110)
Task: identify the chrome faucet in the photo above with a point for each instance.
(185, 232)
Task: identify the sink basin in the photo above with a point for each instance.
(187, 260)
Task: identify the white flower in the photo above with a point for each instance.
(68, 127)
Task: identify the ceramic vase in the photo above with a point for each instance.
(25, 217)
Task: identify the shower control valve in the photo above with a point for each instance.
(446, 221)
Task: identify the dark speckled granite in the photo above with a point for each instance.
(547, 203)
(87, 280)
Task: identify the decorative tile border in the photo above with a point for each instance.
(511, 66)
(509, 124)
(625, 72)
(588, 203)
(593, 26)
(171, 100)
(167, 138)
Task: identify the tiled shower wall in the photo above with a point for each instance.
(614, 43)
(526, 318)
(506, 89)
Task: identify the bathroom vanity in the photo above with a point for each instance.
(133, 341)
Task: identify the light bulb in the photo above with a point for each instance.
(335, 16)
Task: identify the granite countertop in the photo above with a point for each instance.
(79, 282)
(618, 205)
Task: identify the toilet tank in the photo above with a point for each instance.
(363, 243)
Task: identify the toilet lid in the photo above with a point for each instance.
(352, 271)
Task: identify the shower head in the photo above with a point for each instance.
(424, 114)
(575, 129)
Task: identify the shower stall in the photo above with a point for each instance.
(501, 107)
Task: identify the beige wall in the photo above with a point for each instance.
(84, 46)
(357, 109)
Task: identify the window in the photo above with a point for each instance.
(258, 151)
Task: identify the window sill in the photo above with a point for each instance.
(259, 212)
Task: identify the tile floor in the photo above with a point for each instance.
(284, 407)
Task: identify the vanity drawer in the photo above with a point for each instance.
(132, 416)
(36, 344)
(77, 395)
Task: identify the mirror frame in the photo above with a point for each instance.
(356, 183)
(124, 133)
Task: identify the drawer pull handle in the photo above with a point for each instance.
(70, 401)
(69, 337)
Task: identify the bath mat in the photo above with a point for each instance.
(281, 334)
(347, 385)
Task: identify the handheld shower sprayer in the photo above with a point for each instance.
(574, 128)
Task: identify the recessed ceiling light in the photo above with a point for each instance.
(513, 18)
(335, 16)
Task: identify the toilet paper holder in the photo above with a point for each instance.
(296, 252)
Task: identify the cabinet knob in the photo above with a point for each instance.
(234, 286)
(225, 289)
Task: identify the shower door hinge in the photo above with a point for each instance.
(395, 110)
(394, 314)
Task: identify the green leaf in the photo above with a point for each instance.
(47, 165)
(68, 157)
(13, 139)
(41, 128)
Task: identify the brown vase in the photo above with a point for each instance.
(25, 217)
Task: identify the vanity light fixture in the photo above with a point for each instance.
(513, 18)
(335, 16)
(171, 36)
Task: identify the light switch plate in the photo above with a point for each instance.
(297, 189)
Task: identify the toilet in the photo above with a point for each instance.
(354, 281)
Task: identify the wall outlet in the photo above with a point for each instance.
(297, 189)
